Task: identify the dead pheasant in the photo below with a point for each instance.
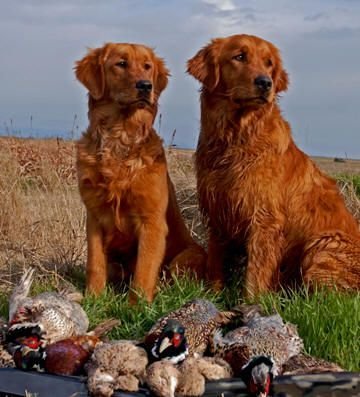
(58, 315)
(171, 344)
(258, 350)
(64, 357)
(199, 318)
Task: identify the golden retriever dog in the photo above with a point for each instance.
(256, 188)
(134, 225)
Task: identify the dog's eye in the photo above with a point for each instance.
(147, 66)
(269, 62)
(122, 64)
(240, 57)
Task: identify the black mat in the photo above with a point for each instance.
(16, 383)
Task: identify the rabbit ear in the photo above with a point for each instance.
(204, 66)
(90, 72)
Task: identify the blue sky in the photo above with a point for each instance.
(319, 41)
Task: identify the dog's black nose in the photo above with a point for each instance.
(144, 85)
(263, 82)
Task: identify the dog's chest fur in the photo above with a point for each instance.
(236, 180)
(109, 170)
(228, 191)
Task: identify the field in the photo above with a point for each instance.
(42, 224)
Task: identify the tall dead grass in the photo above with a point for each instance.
(42, 220)
(181, 171)
(349, 186)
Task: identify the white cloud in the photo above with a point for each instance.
(221, 5)
(286, 23)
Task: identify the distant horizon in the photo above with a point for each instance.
(67, 136)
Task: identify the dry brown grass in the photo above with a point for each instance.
(349, 166)
(42, 219)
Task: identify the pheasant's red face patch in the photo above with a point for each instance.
(32, 341)
(176, 340)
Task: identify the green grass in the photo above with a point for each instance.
(137, 320)
(328, 321)
(352, 179)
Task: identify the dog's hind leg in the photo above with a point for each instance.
(332, 259)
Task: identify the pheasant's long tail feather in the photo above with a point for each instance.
(248, 312)
(21, 291)
(72, 296)
(105, 327)
(225, 317)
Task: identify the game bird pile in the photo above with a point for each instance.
(181, 355)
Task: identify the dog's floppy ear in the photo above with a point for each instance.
(280, 77)
(282, 81)
(204, 66)
(162, 74)
(90, 72)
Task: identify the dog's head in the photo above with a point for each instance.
(245, 69)
(127, 74)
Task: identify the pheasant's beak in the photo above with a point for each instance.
(165, 343)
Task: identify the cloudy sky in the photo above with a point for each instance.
(319, 41)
